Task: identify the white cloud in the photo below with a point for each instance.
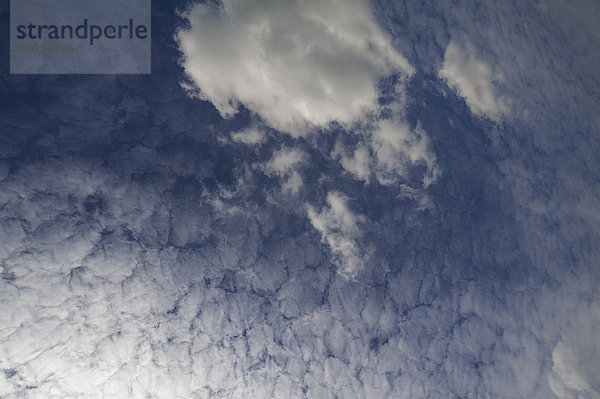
(79, 321)
(359, 164)
(396, 146)
(293, 183)
(283, 164)
(577, 355)
(298, 65)
(284, 160)
(339, 228)
(387, 152)
(473, 79)
(249, 136)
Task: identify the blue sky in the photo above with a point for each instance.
(310, 199)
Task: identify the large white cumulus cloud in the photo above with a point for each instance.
(297, 64)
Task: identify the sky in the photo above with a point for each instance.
(310, 199)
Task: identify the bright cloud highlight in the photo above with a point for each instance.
(299, 65)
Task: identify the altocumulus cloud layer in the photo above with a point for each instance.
(393, 201)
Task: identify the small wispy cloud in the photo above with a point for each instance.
(249, 136)
(340, 230)
(283, 164)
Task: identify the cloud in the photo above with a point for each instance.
(576, 356)
(387, 152)
(359, 164)
(473, 79)
(284, 160)
(250, 136)
(293, 184)
(149, 276)
(396, 147)
(283, 164)
(339, 228)
(299, 65)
